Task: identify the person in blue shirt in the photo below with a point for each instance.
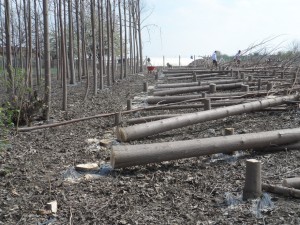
(237, 57)
(214, 59)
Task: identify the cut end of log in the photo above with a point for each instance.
(87, 167)
(121, 135)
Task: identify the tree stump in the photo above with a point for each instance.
(252, 188)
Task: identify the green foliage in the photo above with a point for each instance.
(6, 124)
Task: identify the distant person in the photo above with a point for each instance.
(214, 59)
(169, 65)
(237, 57)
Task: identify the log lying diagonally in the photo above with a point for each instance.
(132, 155)
(155, 127)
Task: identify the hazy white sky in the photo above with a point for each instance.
(198, 27)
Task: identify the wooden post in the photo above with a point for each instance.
(179, 61)
(231, 72)
(118, 118)
(207, 104)
(282, 75)
(212, 88)
(204, 94)
(274, 73)
(250, 78)
(252, 187)
(156, 76)
(163, 62)
(129, 104)
(145, 87)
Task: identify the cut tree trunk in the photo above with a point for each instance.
(217, 96)
(140, 131)
(252, 187)
(191, 84)
(281, 190)
(132, 155)
(150, 118)
(292, 182)
(183, 90)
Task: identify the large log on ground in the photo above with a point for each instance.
(183, 90)
(171, 99)
(281, 190)
(191, 84)
(149, 118)
(132, 155)
(144, 130)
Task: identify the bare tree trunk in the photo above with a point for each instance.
(63, 58)
(47, 60)
(132, 155)
(125, 40)
(66, 58)
(121, 39)
(112, 35)
(71, 44)
(82, 15)
(100, 43)
(57, 42)
(11, 84)
(139, 29)
(37, 45)
(77, 11)
(140, 131)
(26, 42)
(30, 83)
(93, 5)
(108, 12)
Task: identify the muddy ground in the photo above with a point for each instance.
(38, 167)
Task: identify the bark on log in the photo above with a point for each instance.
(176, 91)
(132, 155)
(140, 131)
(191, 84)
(150, 118)
(217, 96)
(281, 190)
(292, 182)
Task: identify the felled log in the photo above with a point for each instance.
(216, 96)
(140, 131)
(183, 90)
(131, 155)
(293, 182)
(191, 84)
(149, 118)
(281, 190)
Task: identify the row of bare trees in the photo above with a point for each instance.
(68, 40)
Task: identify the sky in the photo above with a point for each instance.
(199, 27)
